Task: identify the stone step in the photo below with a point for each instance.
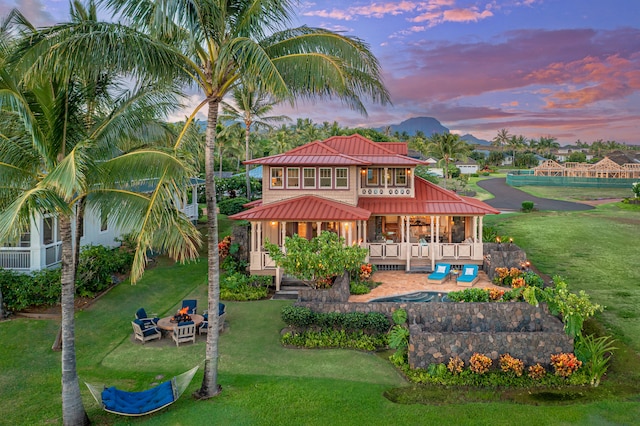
(285, 295)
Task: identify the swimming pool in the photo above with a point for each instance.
(420, 296)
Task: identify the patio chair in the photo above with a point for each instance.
(440, 274)
(192, 304)
(184, 332)
(144, 332)
(222, 313)
(468, 276)
(146, 318)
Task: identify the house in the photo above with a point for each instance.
(467, 167)
(41, 247)
(366, 192)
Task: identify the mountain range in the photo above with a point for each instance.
(429, 126)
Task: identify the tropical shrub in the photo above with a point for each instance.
(537, 371)
(297, 316)
(635, 187)
(96, 267)
(565, 364)
(595, 353)
(20, 291)
(302, 317)
(455, 365)
(469, 295)
(317, 261)
(399, 336)
(241, 287)
(231, 206)
(511, 364)
(479, 363)
(335, 339)
(527, 206)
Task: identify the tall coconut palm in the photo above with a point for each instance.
(220, 42)
(72, 153)
(501, 139)
(250, 106)
(447, 147)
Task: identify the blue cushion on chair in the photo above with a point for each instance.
(141, 313)
(140, 323)
(221, 308)
(185, 323)
(150, 332)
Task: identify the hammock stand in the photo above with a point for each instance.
(125, 403)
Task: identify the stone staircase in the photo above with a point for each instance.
(289, 288)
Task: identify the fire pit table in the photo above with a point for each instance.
(168, 324)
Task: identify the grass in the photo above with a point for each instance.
(264, 383)
(576, 193)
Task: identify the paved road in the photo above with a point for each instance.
(509, 198)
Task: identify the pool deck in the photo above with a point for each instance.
(399, 282)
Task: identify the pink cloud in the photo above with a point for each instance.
(465, 15)
(373, 10)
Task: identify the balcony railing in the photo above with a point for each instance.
(15, 259)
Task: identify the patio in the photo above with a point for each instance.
(401, 282)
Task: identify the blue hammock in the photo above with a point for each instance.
(114, 400)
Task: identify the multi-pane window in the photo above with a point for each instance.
(277, 177)
(293, 177)
(325, 177)
(48, 230)
(372, 177)
(401, 177)
(342, 177)
(309, 178)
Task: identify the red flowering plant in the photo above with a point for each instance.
(223, 247)
(366, 269)
(565, 364)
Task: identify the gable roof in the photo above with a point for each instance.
(353, 150)
(304, 208)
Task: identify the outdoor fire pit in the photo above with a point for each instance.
(182, 315)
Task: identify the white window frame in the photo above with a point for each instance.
(401, 173)
(346, 178)
(305, 177)
(272, 177)
(321, 178)
(296, 177)
(373, 176)
(55, 235)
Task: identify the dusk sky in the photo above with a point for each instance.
(563, 68)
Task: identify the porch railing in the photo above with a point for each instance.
(15, 259)
(53, 254)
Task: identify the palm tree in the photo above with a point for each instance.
(447, 147)
(72, 153)
(250, 107)
(516, 143)
(501, 139)
(214, 44)
(546, 144)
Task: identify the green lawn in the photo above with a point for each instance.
(576, 193)
(264, 383)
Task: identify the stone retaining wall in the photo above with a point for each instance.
(339, 292)
(439, 331)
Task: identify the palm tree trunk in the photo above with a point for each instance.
(210, 387)
(73, 412)
(247, 157)
(79, 227)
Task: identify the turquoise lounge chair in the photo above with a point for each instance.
(440, 273)
(468, 275)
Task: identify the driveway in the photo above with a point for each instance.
(508, 198)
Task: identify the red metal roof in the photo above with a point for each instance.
(355, 150)
(430, 199)
(304, 208)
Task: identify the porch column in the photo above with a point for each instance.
(318, 228)
(349, 233)
(437, 241)
(406, 239)
(480, 231)
(475, 229)
(283, 232)
(252, 241)
(385, 179)
(401, 229)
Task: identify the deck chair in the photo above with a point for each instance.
(222, 313)
(184, 332)
(440, 274)
(145, 331)
(142, 315)
(192, 304)
(117, 401)
(468, 276)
